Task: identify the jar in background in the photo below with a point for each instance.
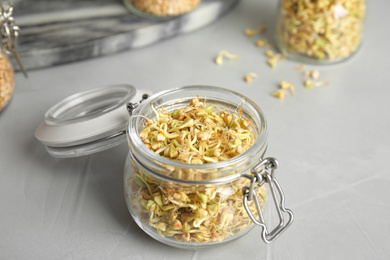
(320, 32)
(6, 81)
(164, 9)
(192, 206)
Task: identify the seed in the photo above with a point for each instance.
(315, 74)
(177, 225)
(196, 161)
(173, 153)
(155, 145)
(203, 136)
(186, 237)
(279, 94)
(287, 86)
(261, 42)
(250, 76)
(178, 113)
(160, 136)
(272, 62)
(269, 54)
(161, 226)
(227, 118)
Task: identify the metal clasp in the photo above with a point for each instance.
(132, 106)
(262, 173)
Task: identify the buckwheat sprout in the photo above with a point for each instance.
(250, 76)
(252, 32)
(261, 42)
(156, 113)
(226, 54)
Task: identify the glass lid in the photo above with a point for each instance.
(88, 122)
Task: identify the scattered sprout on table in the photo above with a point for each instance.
(315, 74)
(226, 54)
(279, 94)
(250, 76)
(273, 58)
(261, 42)
(311, 79)
(269, 53)
(310, 83)
(284, 87)
(251, 32)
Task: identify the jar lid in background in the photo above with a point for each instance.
(88, 122)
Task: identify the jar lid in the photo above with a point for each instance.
(88, 122)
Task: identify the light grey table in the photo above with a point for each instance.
(332, 142)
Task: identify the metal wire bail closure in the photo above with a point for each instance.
(132, 106)
(262, 173)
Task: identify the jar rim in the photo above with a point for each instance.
(136, 142)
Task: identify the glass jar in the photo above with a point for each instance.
(182, 205)
(6, 81)
(192, 206)
(320, 32)
(163, 9)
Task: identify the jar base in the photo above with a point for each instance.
(294, 56)
(170, 241)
